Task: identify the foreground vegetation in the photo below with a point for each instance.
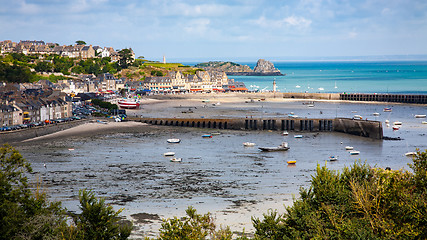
(361, 202)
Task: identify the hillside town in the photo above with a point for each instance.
(45, 101)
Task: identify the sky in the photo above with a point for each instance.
(187, 30)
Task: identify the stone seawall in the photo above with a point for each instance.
(28, 133)
(370, 129)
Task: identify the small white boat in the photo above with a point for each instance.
(348, 148)
(357, 117)
(424, 122)
(410, 154)
(354, 152)
(297, 136)
(281, 147)
(168, 154)
(173, 140)
(420, 116)
(71, 149)
(397, 123)
(395, 127)
(285, 133)
(387, 121)
(310, 105)
(387, 109)
(248, 144)
(333, 158)
(387, 125)
(176, 159)
(375, 114)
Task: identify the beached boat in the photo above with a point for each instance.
(375, 114)
(128, 103)
(207, 136)
(333, 158)
(395, 127)
(348, 148)
(173, 140)
(354, 152)
(387, 121)
(248, 144)
(297, 136)
(397, 123)
(281, 147)
(424, 122)
(176, 159)
(387, 109)
(168, 154)
(285, 133)
(420, 116)
(291, 161)
(357, 117)
(410, 154)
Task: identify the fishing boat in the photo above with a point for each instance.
(354, 152)
(248, 144)
(176, 159)
(291, 161)
(128, 103)
(207, 136)
(348, 148)
(333, 158)
(169, 154)
(173, 140)
(387, 109)
(420, 116)
(281, 147)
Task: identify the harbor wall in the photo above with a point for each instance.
(28, 133)
(398, 98)
(363, 128)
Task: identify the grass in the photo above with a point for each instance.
(163, 65)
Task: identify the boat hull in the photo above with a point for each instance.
(128, 104)
(273, 149)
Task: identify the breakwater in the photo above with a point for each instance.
(28, 133)
(370, 129)
(398, 98)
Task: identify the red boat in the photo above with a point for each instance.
(129, 104)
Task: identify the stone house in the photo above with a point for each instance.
(87, 52)
(7, 114)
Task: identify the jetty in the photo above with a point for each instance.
(363, 128)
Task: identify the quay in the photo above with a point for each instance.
(364, 128)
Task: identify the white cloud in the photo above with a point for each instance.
(28, 8)
(292, 21)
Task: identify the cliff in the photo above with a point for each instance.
(263, 68)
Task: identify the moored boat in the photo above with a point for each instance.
(249, 144)
(348, 148)
(410, 154)
(387, 109)
(291, 161)
(173, 140)
(285, 133)
(420, 116)
(354, 152)
(281, 147)
(168, 154)
(176, 159)
(128, 103)
(397, 123)
(375, 114)
(333, 158)
(297, 136)
(207, 136)
(395, 127)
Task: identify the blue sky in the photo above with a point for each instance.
(225, 30)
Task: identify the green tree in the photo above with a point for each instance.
(23, 214)
(80, 42)
(43, 66)
(98, 220)
(125, 58)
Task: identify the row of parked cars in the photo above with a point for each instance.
(36, 124)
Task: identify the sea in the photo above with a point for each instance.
(221, 176)
(396, 77)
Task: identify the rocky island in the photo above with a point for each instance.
(262, 68)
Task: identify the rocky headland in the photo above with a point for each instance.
(263, 68)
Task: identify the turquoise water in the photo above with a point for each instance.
(406, 77)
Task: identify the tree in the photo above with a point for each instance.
(125, 58)
(23, 214)
(99, 220)
(80, 42)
